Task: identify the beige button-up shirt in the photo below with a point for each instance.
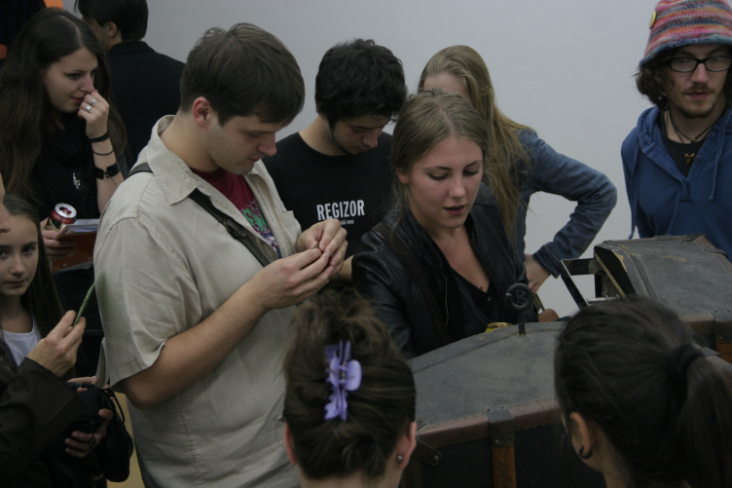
(163, 265)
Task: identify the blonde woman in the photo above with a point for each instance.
(532, 166)
(452, 226)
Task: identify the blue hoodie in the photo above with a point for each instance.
(663, 201)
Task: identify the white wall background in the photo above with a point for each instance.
(563, 67)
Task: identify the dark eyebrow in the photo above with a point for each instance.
(29, 243)
(257, 133)
(361, 127)
(477, 161)
(445, 168)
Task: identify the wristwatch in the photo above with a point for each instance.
(110, 172)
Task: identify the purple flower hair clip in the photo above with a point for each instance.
(344, 375)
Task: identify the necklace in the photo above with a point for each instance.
(696, 141)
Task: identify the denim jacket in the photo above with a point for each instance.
(555, 173)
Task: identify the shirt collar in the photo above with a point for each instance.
(176, 179)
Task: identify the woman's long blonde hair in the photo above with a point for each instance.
(504, 147)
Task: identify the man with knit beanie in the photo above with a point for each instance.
(678, 160)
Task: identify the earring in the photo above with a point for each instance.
(582, 454)
(400, 458)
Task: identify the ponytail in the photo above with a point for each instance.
(338, 440)
(704, 425)
(630, 367)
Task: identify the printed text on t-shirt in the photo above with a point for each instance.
(339, 210)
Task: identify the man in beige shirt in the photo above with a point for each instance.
(195, 325)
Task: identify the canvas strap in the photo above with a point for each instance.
(234, 228)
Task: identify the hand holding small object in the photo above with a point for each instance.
(57, 351)
(55, 249)
(329, 237)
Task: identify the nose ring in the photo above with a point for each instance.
(88, 108)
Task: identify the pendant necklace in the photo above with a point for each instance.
(696, 141)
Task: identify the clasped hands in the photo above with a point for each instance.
(288, 281)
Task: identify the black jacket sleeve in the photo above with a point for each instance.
(35, 408)
(377, 279)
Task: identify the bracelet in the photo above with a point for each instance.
(110, 172)
(101, 138)
(103, 154)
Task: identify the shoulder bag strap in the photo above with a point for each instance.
(232, 226)
(415, 271)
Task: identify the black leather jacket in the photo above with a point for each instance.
(380, 275)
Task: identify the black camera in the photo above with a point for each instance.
(110, 458)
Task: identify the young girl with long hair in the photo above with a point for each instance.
(451, 224)
(639, 400)
(525, 165)
(350, 397)
(59, 136)
(35, 403)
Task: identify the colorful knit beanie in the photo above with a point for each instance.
(677, 23)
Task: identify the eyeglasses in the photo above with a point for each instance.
(688, 65)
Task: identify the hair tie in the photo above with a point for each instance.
(344, 375)
(679, 360)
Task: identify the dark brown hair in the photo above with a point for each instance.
(612, 366)
(243, 71)
(504, 148)
(130, 16)
(40, 299)
(652, 78)
(27, 114)
(379, 411)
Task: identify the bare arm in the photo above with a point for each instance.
(96, 125)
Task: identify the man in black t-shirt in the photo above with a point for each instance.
(338, 167)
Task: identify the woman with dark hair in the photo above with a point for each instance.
(350, 397)
(34, 298)
(59, 135)
(639, 400)
(451, 225)
(528, 166)
(36, 354)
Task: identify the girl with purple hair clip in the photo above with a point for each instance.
(350, 397)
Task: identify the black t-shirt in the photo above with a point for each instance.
(484, 300)
(356, 189)
(679, 150)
